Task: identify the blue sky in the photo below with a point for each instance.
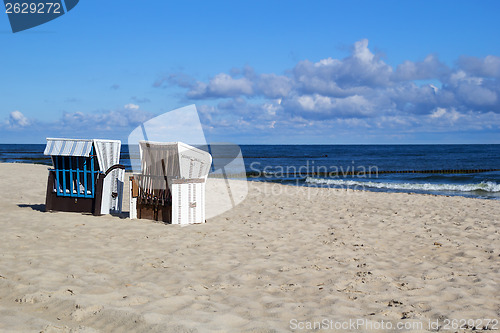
(259, 72)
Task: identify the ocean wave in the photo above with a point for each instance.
(483, 186)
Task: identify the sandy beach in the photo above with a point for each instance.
(284, 259)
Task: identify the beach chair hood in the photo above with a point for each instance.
(176, 160)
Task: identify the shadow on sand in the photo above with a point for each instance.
(41, 208)
(38, 207)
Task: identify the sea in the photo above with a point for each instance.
(453, 170)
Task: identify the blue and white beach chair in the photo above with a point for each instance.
(87, 176)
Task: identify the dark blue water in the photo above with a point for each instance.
(308, 165)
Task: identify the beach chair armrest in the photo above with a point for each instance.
(114, 167)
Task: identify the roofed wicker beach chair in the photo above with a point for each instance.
(171, 185)
(87, 176)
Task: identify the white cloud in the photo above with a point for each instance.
(360, 90)
(273, 86)
(319, 106)
(131, 106)
(438, 113)
(129, 116)
(79, 123)
(429, 68)
(17, 119)
(222, 85)
(358, 73)
(488, 66)
(323, 97)
(362, 52)
(477, 93)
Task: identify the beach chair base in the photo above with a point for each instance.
(153, 212)
(186, 205)
(53, 202)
